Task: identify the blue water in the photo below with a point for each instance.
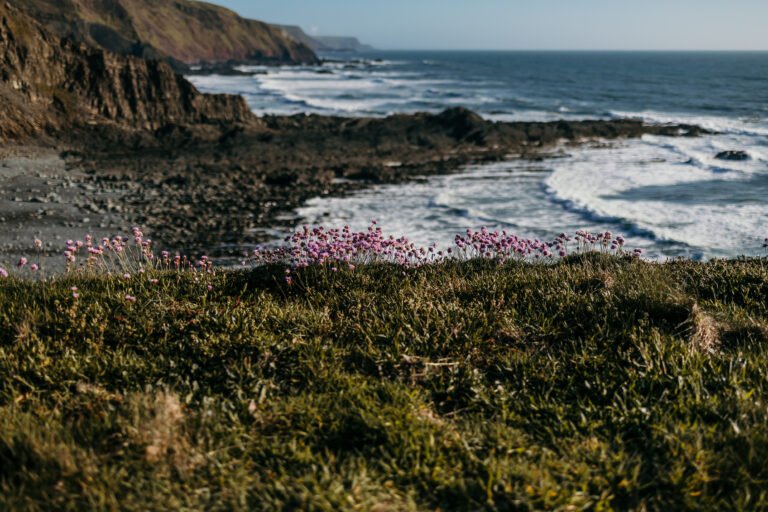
(670, 195)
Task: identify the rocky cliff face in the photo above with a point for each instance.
(182, 31)
(48, 84)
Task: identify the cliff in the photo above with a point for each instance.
(298, 34)
(182, 31)
(342, 44)
(48, 84)
(325, 43)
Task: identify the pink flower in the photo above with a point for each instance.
(210, 287)
(34, 267)
(22, 261)
(126, 276)
(130, 298)
(75, 294)
(38, 243)
(3, 273)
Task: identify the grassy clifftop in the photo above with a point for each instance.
(594, 383)
(182, 30)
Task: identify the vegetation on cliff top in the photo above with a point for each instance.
(182, 30)
(596, 382)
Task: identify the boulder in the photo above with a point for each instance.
(733, 156)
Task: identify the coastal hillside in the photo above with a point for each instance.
(182, 31)
(343, 44)
(325, 43)
(48, 84)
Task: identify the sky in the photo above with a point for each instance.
(527, 24)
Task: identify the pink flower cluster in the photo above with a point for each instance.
(117, 245)
(119, 255)
(343, 248)
(125, 255)
(503, 246)
(333, 249)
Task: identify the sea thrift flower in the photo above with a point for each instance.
(130, 298)
(38, 243)
(126, 276)
(3, 273)
(75, 293)
(22, 262)
(34, 267)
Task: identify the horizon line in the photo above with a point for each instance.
(564, 50)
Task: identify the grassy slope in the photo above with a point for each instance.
(187, 30)
(597, 383)
(192, 31)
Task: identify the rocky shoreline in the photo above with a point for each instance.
(217, 188)
(103, 141)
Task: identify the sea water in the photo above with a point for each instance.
(668, 195)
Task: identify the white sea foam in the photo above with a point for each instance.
(582, 191)
(713, 123)
(607, 184)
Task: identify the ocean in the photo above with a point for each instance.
(669, 196)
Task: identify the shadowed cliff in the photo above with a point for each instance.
(48, 84)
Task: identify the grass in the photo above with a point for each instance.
(597, 383)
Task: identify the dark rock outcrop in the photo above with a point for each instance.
(733, 156)
(181, 31)
(48, 84)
